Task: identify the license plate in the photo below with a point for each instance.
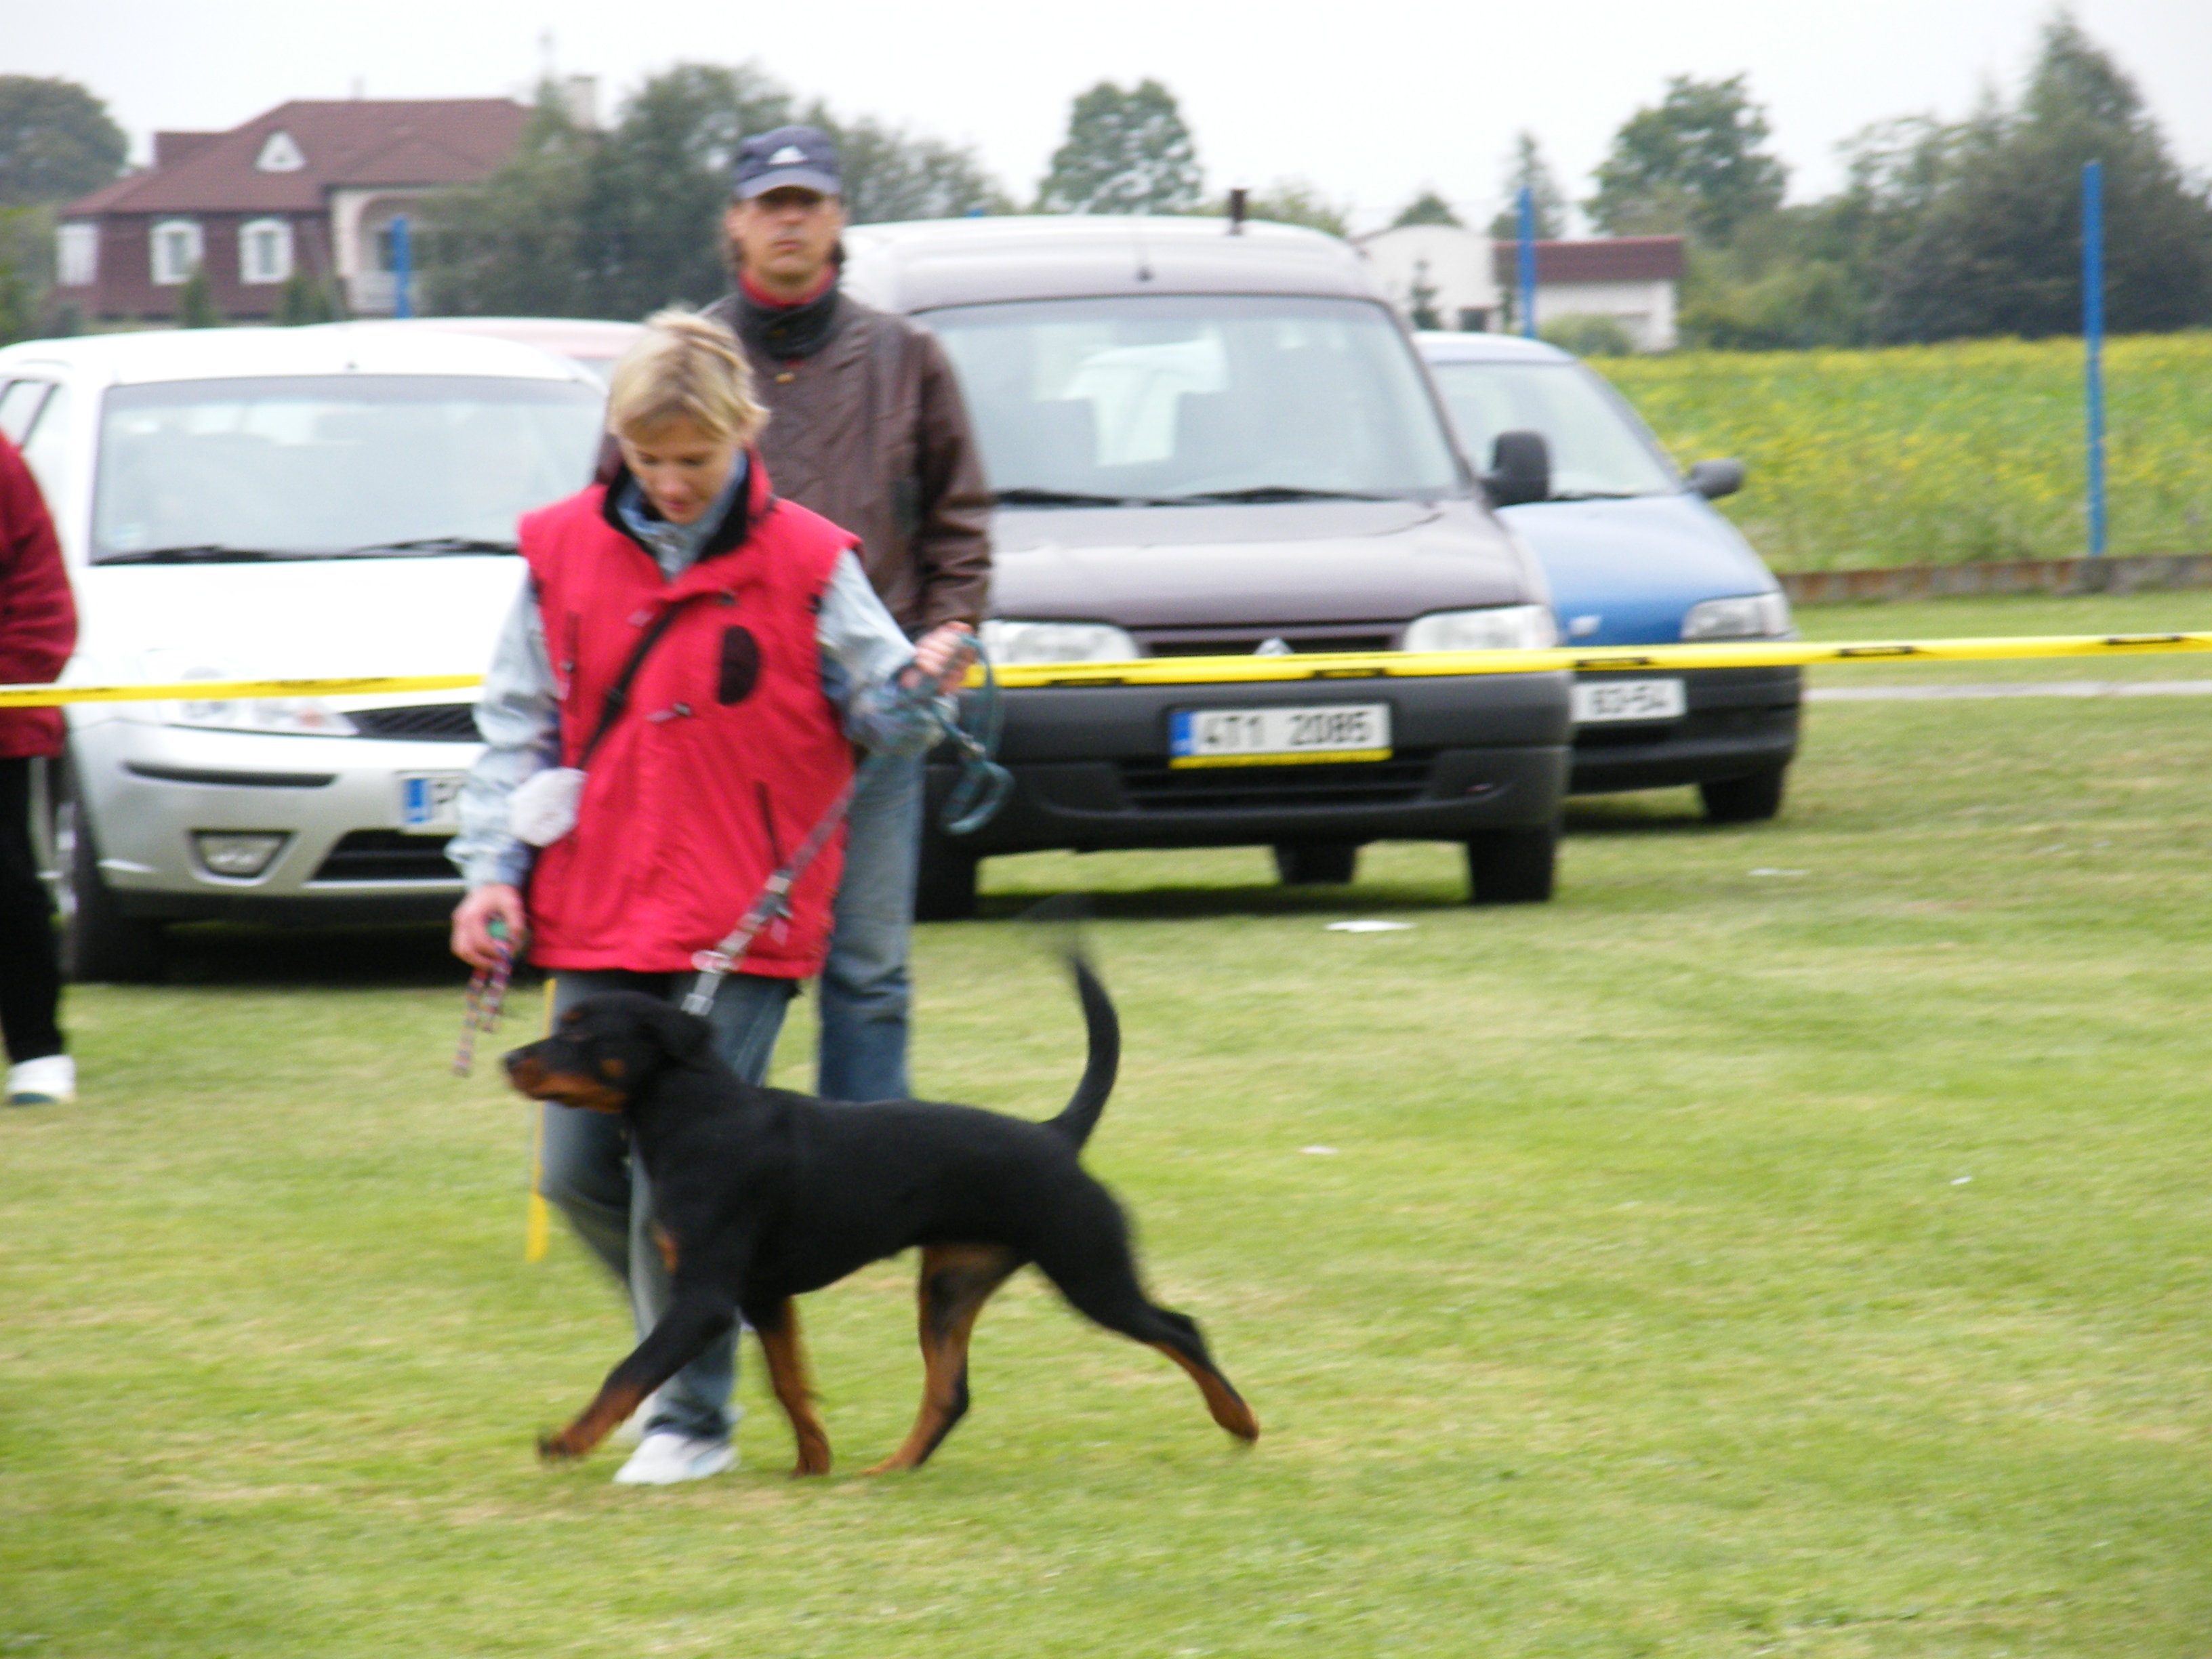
(1599, 701)
(430, 802)
(1278, 737)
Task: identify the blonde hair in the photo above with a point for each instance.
(685, 366)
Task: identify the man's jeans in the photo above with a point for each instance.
(587, 1173)
(864, 982)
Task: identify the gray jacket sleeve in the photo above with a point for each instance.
(520, 719)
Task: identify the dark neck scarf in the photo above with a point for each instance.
(786, 333)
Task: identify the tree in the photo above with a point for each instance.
(196, 306)
(620, 223)
(1126, 152)
(1526, 168)
(1421, 299)
(308, 299)
(1692, 164)
(513, 246)
(892, 174)
(57, 141)
(1426, 209)
(1996, 245)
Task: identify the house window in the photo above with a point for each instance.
(264, 251)
(176, 250)
(76, 256)
(279, 154)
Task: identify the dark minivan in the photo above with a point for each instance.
(1206, 441)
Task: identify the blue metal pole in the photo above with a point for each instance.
(2093, 340)
(1528, 262)
(403, 269)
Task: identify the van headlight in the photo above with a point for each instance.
(1754, 616)
(296, 717)
(1009, 641)
(1494, 628)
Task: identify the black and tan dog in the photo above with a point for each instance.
(760, 1195)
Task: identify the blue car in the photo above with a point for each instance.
(1636, 555)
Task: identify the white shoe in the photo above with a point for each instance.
(665, 1457)
(50, 1080)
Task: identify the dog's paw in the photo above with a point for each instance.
(557, 1449)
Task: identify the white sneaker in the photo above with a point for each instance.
(48, 1081)
(665, 1457)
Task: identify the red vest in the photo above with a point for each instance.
(705, 783)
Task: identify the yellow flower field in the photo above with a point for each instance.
(1944, 453)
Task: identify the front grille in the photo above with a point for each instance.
(1153, 786)
(435, 722)
(387, 855)
(1244, 642)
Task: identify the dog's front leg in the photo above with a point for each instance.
(699, 1314)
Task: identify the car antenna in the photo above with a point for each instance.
(1236, 210)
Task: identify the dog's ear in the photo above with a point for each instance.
(682, 1037)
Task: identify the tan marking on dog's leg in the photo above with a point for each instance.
(1229, 1411)
(957, 1280)
(787, 1371)
(610, 1407)
(665, 1242)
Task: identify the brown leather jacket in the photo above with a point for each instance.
(871, 433)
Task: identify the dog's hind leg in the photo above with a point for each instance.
(1098, 1275)
(786, 1372)
(957, 1280)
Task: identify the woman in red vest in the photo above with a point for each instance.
(674, 706)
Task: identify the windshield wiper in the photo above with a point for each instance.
(1596, 494)
(198, 553)
(1264, 493)
(1023, 496)
(427, 544)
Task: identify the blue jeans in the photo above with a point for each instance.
(864, 983)
(587, 1173)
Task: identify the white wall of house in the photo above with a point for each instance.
(357, 218)
(1646, 309)
(1453, 261)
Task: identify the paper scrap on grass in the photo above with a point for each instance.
(1779, 872)
(1369, 927)
(1319, 1151)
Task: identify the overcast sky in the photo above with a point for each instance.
(1369, 102)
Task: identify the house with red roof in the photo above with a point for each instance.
(1446, 276)
(311, 186)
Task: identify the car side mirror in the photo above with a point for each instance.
(1714, 479)
(1520, 469)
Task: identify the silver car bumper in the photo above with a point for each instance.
(150, 790)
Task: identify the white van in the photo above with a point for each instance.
(266, 503)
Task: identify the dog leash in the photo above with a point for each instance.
(487, 998)
(981, 790)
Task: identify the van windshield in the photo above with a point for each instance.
(1599, 448)
(332, 466)
(1174, 398)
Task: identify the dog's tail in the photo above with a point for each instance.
(1080, 1115)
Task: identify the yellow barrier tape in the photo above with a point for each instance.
(46, 696)
(1227, 670)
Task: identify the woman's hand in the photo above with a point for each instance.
(943, 655)
(472, 938)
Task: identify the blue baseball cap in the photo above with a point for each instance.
(800, 158)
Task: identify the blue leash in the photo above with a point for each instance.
(983, 785)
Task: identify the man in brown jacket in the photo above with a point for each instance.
(867, 428)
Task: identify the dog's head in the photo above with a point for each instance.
(605, 1050)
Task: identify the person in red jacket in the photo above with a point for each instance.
(622, 834)
(37, 631)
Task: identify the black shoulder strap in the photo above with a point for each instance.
(617, 697)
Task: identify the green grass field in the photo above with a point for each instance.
(1942, 454)
(1794, 1240)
